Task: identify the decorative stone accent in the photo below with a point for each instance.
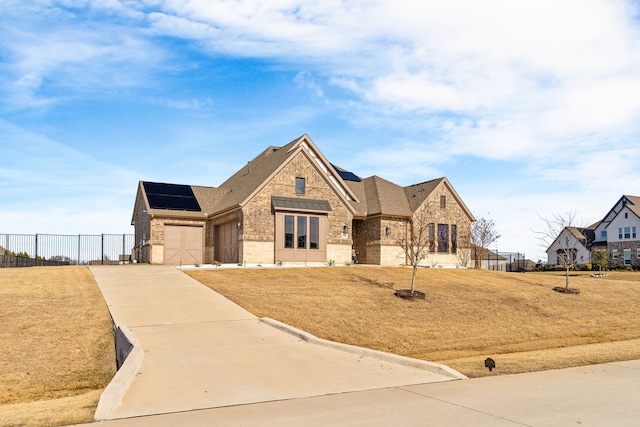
(633, 245)
(341, 254)
(257, 252)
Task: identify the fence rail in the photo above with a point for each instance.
(78, 249)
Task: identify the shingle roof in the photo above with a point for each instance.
(245, 181)
(634, 206)
(208, 197)
(369, 196)
(418, 193)
(385, 197)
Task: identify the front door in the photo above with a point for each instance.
(226, 242)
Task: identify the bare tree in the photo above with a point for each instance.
(483, 234)
(463, 254)
(561, 233)
(415, 241)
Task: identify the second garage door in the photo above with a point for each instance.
(183, 244)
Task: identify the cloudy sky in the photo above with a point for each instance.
(527, 107)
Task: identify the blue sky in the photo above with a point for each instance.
(528, 108)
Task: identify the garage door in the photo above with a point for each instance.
(183, 244)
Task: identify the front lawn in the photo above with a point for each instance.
(468, 315)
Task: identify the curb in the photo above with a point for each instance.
(424, 365)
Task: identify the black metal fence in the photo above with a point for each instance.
(56, 249)
(515, 262)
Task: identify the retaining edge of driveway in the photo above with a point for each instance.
(424, 365)
(113, 394)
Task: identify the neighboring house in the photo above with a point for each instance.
(576, 241)
(620, 228)
(617, 233)
(289, 204)
(490, 260)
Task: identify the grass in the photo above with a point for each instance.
(468, 315)
(57, 346)
(57, 349)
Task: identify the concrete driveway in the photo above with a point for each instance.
(195, 349)
(205, 361)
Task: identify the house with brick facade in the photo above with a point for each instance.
(617, 233)
(291, 205)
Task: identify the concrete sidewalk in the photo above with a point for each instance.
(194, 349)
(590, 396)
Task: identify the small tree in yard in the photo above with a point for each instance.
(415, 242)
(601, 259)
(483, 234)
(559, 231)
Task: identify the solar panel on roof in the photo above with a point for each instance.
(171, 196)
(346, 175)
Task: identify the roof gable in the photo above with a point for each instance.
(418, 193)
(630, 202)
(249, 180)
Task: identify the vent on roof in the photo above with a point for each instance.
(346, 175)
(171, 196)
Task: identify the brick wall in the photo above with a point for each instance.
(259, 218)
(374, 246)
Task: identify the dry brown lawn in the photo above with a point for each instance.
(468, 315)
(56, 346)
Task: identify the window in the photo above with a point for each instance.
(443, 202)
(620, 233)
(638, 253)
(633, 232)
(614, 254)
(302, 232)
(603, 234)
(627, 257)
(627, 232)
(443, 238)
(626, 215)
(288, 231)
(300, 237)
(454, 238)
(432, 237)
(314, 232)
(300, 185)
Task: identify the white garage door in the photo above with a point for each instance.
(183, 244)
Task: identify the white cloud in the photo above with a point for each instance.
(550, 86)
